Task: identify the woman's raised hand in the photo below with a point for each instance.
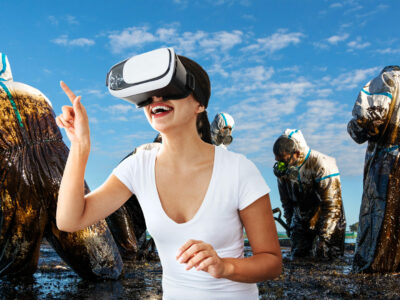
(74, 119)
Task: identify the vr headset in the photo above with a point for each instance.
(156, 73)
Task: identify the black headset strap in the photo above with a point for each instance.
(197, 91)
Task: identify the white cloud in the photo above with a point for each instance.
(319, 112)
(93, 120)
(214, 44)
(298, 87)
(354, 79)
(277, 41)
(335, 5)
(292, 69)
(79, 42)
(218, 69)
(324, 125)
(71, 20)
(166, 34)
(53, 20)
(357, 44)
(97, 93)
(255, 80)
(221, 40)
(187, 43)
(249, 17)
(92, 92)
(388, 51)
(120, 118)
(258, 73)
(323, 92)
(335, 39)
(261, 118)
(320, 45)
(370, 12)
(117, 112)
(230, 2)
(119, 109)
(130, 37)
(356, 7)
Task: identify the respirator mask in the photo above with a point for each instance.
(283, 169)
(224, 136)
(157, 73)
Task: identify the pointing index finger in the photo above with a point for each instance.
(68, 91)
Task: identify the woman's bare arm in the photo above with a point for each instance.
(76, 211)
(266, 262)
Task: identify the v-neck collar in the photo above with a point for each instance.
(203, 203)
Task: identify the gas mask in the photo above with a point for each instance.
(224, 136)
(283, 169)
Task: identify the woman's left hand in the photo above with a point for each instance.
(203, 257)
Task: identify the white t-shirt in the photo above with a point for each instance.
(235, 183)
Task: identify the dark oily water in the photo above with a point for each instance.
(56, 280)
(300, 279)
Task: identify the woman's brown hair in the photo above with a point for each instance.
(202, 95)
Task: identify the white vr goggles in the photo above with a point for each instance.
(156, 73)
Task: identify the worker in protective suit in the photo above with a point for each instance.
(310, 192)
(32, 160)
(221, 129)
(376, 119)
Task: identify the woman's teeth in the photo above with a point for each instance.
(160, 109)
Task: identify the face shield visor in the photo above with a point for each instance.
(157, 73)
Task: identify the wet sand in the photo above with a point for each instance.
(301, 279)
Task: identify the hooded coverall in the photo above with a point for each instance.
(32, 160)
(312, 203)
(376, 119)
(221, 121)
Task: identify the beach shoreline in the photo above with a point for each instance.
(300, 279)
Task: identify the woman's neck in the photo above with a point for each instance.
(183, 148)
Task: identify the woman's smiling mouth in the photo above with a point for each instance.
(160, 110)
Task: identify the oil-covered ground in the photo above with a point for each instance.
(301, 279)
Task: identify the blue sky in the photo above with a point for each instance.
(273, 65)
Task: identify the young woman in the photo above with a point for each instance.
(195, 197)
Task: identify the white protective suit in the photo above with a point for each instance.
(32, 160)
(312, 203)
(219, 133)
(376, 119)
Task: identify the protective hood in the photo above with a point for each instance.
(219, 136)
(298, 138)
(8, 84)
(220, 121)
(5, 69)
